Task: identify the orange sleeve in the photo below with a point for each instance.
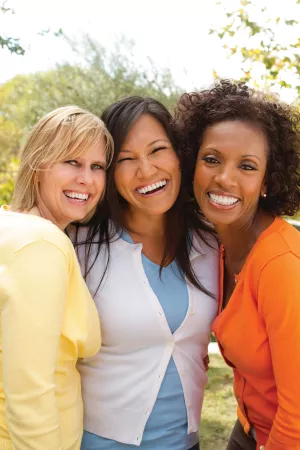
(279, 305)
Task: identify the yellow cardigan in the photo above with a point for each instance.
(48, 321)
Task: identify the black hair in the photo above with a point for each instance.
(119, 119)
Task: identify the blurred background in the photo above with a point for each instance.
(93, 52)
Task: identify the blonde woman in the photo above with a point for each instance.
(48, 318)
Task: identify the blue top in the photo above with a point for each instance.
(166, 428)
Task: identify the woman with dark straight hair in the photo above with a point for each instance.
(152, 265)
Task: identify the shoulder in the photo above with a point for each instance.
(279, 239)
(276, 251)
(20, 230)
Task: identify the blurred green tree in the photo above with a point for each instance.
(264, 42)
(11, 43)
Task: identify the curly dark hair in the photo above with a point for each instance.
(228, 100)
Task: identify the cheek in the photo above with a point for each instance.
(253, 188)
(122, 178)
(199, 177)
(100, 182)
(175, 171)
(45, 184)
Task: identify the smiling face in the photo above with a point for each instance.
(69, 190)
(147, 173)
(230, 172)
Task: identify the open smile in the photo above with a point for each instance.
(222, 201)
(153, 188)
(77, 197)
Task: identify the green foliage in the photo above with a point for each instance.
(8, 171)
(279, 60)
(12, 44)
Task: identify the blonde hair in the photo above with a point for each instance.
(66, 132)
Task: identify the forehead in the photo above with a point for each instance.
(236, 135)
(145, 130)
(95, 149)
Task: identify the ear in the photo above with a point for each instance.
(263, 190)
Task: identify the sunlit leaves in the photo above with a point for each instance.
(280, 60)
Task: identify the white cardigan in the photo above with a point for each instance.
(120, 384)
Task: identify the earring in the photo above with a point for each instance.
(264, 196)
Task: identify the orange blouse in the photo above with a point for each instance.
(259, 336)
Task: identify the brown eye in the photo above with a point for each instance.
(124, 159)
(247, 167)
(158, 149)
(210, 160)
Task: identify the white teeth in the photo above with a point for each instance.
(152, 187)
(222, 199)
(77, 195)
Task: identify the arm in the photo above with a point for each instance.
(279, 304)
(31, 320)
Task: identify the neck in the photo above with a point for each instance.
(239, 239)
(41, 212)
(145, 225)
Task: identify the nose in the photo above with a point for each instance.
(226, 176)
(146, 169)
(84, 176)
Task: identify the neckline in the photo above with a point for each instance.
(268, 230)
(125, 236)
(239, 276)
(7, 210)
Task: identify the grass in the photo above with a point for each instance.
(219, 407)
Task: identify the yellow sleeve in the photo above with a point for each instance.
(31, 320)
(279, 298)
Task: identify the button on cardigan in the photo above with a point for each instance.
(120, 384)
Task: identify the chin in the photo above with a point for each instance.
(220, 219)
(159, 211)
(77, 218)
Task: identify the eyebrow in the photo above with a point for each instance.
(149, 145)
(101, 162)
(243, 156)
(252, 156)
(159, 140)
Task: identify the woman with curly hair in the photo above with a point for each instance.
(242, 153)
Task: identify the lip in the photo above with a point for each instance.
(223, 193)
(152, 194)
(77, 192)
